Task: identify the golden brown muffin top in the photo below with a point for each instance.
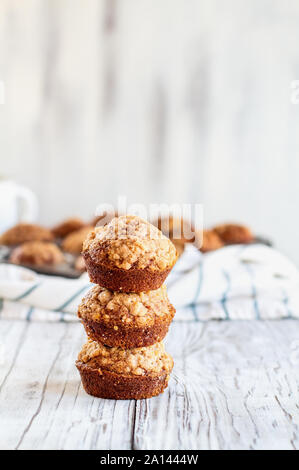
(21, 233)
(138, 361)
(73, 243)
(68, 226)
(123, 309)
(234, 233)
(37, 254)
(128, 241)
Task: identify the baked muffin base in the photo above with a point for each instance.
(122, 280)
(102, 383)
(127, 338)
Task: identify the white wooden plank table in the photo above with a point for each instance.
(234, 386)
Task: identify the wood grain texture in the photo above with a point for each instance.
(235, 386)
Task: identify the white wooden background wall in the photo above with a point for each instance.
(169, 100)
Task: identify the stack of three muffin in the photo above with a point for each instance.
(127, 314)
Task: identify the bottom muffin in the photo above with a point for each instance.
(124, 374)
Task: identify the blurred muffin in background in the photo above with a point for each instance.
(179, 246)
(37, 253)
(176, 228)
(128, 254)
(210, 241)
(23, 232)
(73, 243)
(68, 226)
(234, 233)
(80, 264)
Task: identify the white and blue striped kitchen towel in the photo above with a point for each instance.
(235, 282)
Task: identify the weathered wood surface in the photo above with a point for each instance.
(234, 386)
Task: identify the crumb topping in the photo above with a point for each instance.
(129, 241)
(141, 309)
(234, 233)
(139, 361)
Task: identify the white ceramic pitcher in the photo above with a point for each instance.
(17, 204)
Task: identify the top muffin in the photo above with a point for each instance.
(129, 241)
(128, 244)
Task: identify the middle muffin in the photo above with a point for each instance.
(126, 320)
